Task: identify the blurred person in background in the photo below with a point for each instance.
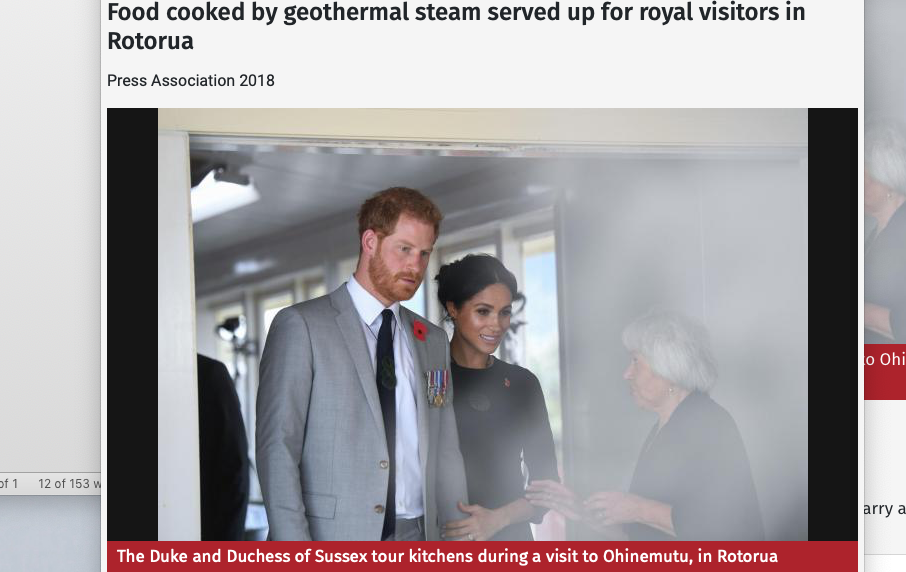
(885, 248)
(224, 451)
(692, 480)
(500, 410)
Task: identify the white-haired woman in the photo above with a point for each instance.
(692, 480)
(885, 257)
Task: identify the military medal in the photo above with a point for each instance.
(438, 381)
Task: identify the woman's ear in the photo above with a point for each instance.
(451, 309)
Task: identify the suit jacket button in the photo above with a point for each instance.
(379, 509)
(384, 464)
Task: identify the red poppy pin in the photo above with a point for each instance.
(506, 381)
(419, 330)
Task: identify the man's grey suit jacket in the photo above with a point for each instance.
(321, 449)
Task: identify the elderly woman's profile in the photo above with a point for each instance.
(885, 255)
(692, 480)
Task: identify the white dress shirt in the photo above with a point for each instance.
(409, 487)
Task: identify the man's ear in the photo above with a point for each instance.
(369, 242)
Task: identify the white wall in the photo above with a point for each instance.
(178, 495)
(669, 127)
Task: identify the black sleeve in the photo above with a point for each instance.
(897, 258)
(223, 452)
(716, 499)
(538, 447)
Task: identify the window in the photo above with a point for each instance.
(269, 306)
(225, 353)
(448, 256)
(417, 302)
(542, 340)
(345, 269)
(541, 345)
(314, 288)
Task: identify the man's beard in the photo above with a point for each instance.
(390, 286)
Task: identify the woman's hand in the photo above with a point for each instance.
(609, 508)
(482, 524)
(555, 496)
(877, 319)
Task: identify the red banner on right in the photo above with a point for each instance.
(885, 371)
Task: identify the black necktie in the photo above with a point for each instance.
(386, 385)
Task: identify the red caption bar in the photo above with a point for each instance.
(497, 556)
(885, 371)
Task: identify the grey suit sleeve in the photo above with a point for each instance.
(451, 480)
(284, 390)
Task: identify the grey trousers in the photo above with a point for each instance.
(409, 529)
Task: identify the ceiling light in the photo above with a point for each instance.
(212, 197)
(252, 266)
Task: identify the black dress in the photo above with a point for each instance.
(885, 277)
(697, 464)
(502, 419)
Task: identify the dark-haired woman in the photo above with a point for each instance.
(500, 410)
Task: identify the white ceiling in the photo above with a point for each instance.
(299, 186)
(310, 194)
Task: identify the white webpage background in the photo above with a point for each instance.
(815, 62)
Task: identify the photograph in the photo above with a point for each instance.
(485, 324)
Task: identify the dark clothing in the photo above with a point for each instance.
(502, 420)
(224, 455)
(386, 387)
(885, 277)
(697, 464)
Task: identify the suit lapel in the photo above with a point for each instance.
(350, 325)
(419, 362)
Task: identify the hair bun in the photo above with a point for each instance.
(460, 280)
